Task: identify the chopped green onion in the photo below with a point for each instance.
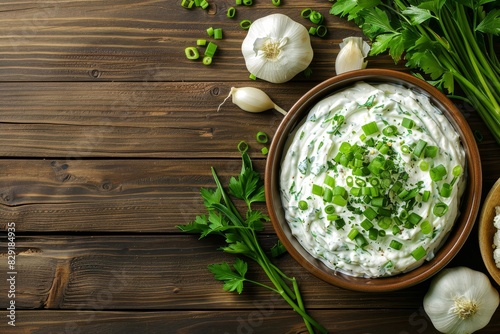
(384, 212)
(329, 209)
(210, 31)
(243, 146)
(312, 31)
(207, 60)
(355, 191)
(424, 166)
(316, 17)
(445, 190)
(303, 205)
(192, 53)
(385, 222)
(305, 13)
(396, 245)
(187, 4)
(345, 147)
(407, 123)
(332, 217)
(231, 11)
(456, 171)
(321, 30)
(210, 50)
(245, 24)
(247, 2)
(419, 148)
(329, 181)
(426, 227)
(238, 2)
(373, 234)
(426, 195)
(379, 202)
(414, 218)
(370, 128)
(264, 150)
(317, 190)
(218, 33)
(390, 130)
(201, 42)
(440, 209)
(418, 253)
(437, 173)
(204, 4)
(349, 181)
(252, 76)
(261, 137)
(405, 149)
(381, 233)
(352, 233)
(366, 224)
(276, 2)
(395, 230)
(430, 151)
(370, 213)
(327, 194)
(339, 200)
(361, 240)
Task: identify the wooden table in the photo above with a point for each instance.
(108, 132)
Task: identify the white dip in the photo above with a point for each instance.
(496, 238)
(360, 198)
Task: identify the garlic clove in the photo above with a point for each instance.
(252, 99)
(353, 51)
(277, 48)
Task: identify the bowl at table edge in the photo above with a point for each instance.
(469, 206)
(487, 230)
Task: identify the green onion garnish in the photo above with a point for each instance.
(418, 253)
(303, 205)
(370, 128)
(396, 245)
(440, 209)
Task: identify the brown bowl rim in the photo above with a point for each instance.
(470, 200)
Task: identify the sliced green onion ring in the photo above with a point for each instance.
(262, 137)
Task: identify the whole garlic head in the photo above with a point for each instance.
(277, 48)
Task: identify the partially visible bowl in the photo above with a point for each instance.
(469, 206)
(487, 230)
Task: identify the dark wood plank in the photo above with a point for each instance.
(142, 196)
(261, 318)
(162, 272)
(141, 40)
(145, 120)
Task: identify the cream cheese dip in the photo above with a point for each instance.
(371, 180)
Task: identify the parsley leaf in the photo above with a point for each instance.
(233, 280)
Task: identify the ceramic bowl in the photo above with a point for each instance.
(487, 230)
(469, 205)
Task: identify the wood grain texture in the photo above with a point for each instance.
(140, 40)
(262, 318)
(107, 133)
(146, 120)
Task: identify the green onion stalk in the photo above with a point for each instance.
(450, 41)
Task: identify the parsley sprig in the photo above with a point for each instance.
(240, 235)
(451, 41)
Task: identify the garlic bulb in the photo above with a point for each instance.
(277, 48)
(460, 300)
(252, 99)
(353, 51)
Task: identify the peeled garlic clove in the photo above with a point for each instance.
(353, 51)
(252, 99)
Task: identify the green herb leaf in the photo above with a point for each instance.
(417, 15)
(233, 280)
(491, 23)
